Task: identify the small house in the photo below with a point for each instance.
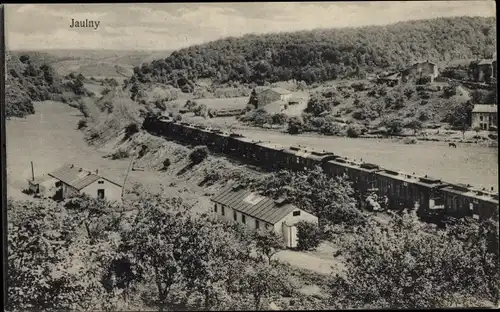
(422, 70)
(72, 180)
(41, 185)
(273, 94)
(484, 116)
(255, 211)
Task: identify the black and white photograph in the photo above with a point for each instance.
(251, 156)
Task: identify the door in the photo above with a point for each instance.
(100, 193)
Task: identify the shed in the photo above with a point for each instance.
(41, 184)
(273, 94)
(236, 203)
(74, 180)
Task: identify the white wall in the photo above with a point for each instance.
(290, 219)
(112, 192)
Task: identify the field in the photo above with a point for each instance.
(229, 103)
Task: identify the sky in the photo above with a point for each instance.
(170, 26)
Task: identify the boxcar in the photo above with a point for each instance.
(271, 155)
(461, 201)
(362, 175)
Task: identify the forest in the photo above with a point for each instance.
(30, 79)
(323, 54)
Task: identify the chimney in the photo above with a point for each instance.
(33, 172)
(97, 171)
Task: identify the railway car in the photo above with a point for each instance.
(362, 175)
(271, 155)
(410, 191)
(300, 158)
(462, 200)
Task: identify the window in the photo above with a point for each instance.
(100, 182)
(481, 118)
(296, 213)
(222, 212)
(100, 193)
(243, 220)
(235, 216)
(215, 208)
(257, 225)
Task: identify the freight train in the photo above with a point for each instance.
(425, 194)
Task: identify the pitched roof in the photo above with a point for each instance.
(253, 204)
(485, 108)
(76, 177)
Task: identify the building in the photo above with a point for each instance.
(73, 180)
(42, 185)
(273, 94)
(422, 71)
(484, 116)
(390, 79)
(238, 204)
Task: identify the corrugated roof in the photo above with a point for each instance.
(76, 177)
(252, 204)
(485, 108)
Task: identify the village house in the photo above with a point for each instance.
(484, 116)
(273, 94)
(70, 180)
(422, 71)
(485, 70)
(256, 212)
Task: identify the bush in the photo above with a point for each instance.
(120, 154)
(279, 119)
(308, 235)
(131, 129)
(354, 131)
(198, 154)
(166, 163)
(82, 123)
(295, 125)
(394, 126)
(410, 141)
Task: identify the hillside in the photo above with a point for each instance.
(324, 54)
(29, 78)
(94, 63)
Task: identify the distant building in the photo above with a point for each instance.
(484, 116)
(41, 185)
(391, 79)
(484, 71)
(422, 70)
(72, 180)
(259, 212)
(273, 94)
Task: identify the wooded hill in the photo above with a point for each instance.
(31, 79)
(324, 54)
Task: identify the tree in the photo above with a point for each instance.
(308, 235)
(268, 243)
(458, 116)
(253, 99)
(198, 154)
(295, 125)
(415, 125)
(395, 126)
(331, 199)
(279, 119)
(407, 264)
(152, 245)
(477, 130)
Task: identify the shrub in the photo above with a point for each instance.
(82, 123)
(308, 235)
(295, 125)
(198, 154)
(166, 163)
(353, 131)
(410, 141)
(131, 129)
(279, 119)
(394, 126)
(120, 154)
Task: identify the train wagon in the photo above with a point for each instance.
(462, 200)
(271, 155)
(362, 175)
(301, 158)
